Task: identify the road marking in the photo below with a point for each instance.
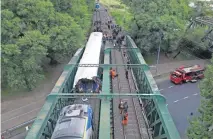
(21, 115)
(176, 101)
(170, 86)
(37, 100)
(186, 97)
(195, 94)
(160, 89)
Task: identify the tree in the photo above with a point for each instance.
(152, 17)
(200, 126)
(32, 30)
(11, 27)
(64, 42)
(21, 62)
(80, 10)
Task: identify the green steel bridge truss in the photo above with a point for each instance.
(159, 118)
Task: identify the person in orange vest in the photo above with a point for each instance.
(113, 73)
(125, 119)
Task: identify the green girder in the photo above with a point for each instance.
(107, 96)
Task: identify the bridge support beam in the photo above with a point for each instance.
(107, 96)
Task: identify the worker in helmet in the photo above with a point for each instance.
(121, 106)
(125, 107)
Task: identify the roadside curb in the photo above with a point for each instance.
(161, 75)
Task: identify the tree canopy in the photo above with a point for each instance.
(201, 126)
(157, 19)
(35, 30)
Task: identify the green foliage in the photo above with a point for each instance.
(21, 61)
(10, 27)
(151, 17)
(35, 29)
(81, 10)
(200, 126)
(120, 12)
(64, 41)
(196, 35)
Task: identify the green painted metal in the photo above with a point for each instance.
(109, 96)
(104, 125)
(157, 113)
(40, 128)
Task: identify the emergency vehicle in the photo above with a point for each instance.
(186, 74)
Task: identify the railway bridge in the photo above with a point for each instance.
(148, 107)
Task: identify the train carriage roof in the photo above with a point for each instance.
(70, 116)
(91, 56)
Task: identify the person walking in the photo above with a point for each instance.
(124, 52)
(113, 73)
(125, 107)
(126, 74)
(128, 67)
(121, 107)
(108, 26)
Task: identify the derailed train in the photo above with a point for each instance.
(88, 79)
(76, 121)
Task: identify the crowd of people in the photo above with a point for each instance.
(117, 40)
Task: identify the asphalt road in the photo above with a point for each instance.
(182, 100)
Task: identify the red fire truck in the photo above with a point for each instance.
(186, 74)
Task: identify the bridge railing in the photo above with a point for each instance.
(156, 111)
(46, 120)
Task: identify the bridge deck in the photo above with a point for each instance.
(136, 128)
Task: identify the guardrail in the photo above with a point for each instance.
(9, 133)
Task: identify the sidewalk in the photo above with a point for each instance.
(164, 69)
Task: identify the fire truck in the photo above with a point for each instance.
(186, 74)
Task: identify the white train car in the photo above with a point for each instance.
(86, 78)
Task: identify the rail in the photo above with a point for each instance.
(139, 99)
(119, 88)
(133, 100)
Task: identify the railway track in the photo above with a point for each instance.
(136, 128)
(132, 130)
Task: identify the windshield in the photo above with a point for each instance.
(175, 75)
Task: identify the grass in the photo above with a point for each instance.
(120, 12)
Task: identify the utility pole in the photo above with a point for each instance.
(161, 36)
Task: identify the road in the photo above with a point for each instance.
(182, 100)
